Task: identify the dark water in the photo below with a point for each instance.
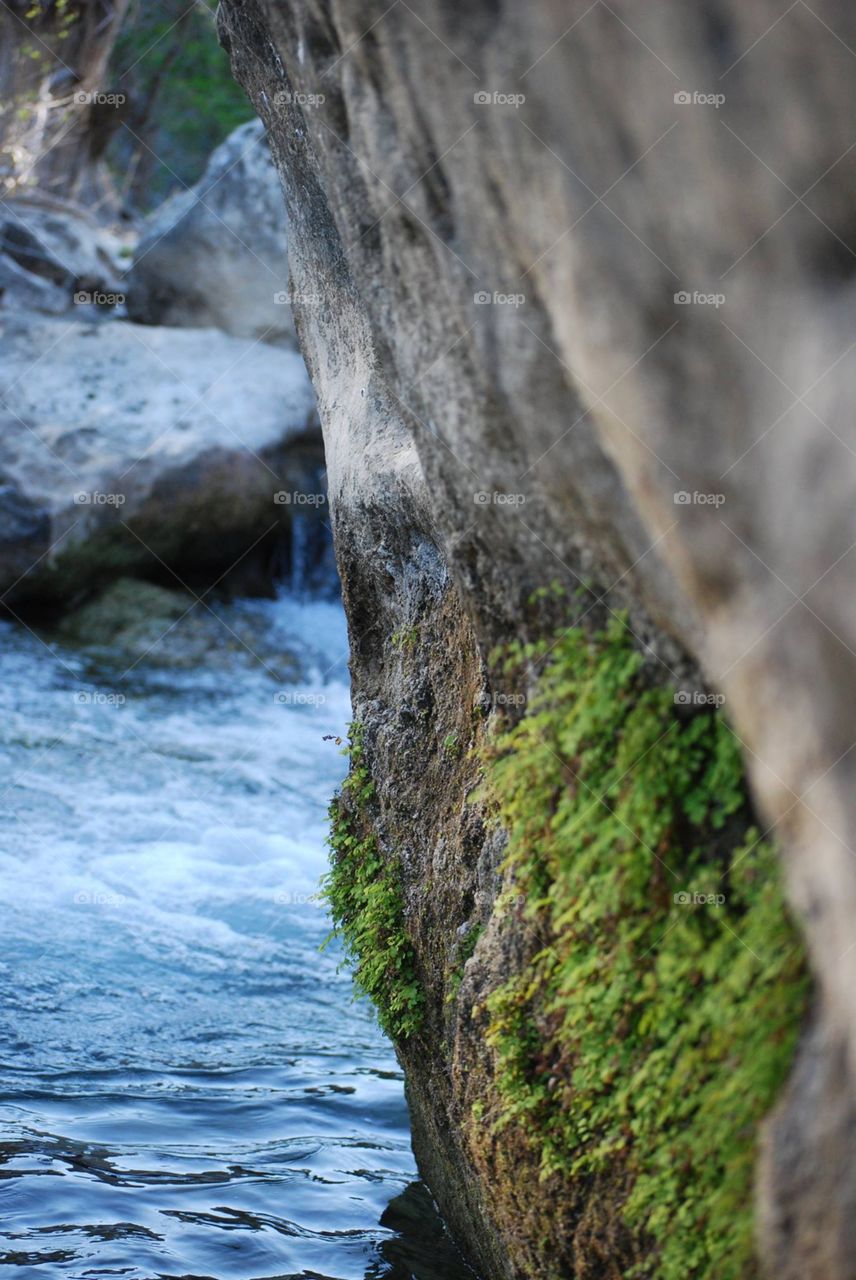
(186, 1086)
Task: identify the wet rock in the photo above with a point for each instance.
(142, 624)
(154, 451)
(598, 333)
(130, 614)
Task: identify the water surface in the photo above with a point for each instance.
(187, 1088)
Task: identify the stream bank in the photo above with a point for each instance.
(565, 324)
(188, 1086)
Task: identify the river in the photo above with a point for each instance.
(187, 1087)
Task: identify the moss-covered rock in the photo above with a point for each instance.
(652, 1027)
(129, 614)
(619, 1017)
(596, 431)
(133, 622)
(363, 891)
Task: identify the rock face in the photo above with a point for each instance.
(216, 255)
(164, 458)
(576, 282)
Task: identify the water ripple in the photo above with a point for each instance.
(187, 1090)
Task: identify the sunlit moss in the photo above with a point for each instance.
(363, 891)
(652, 1030)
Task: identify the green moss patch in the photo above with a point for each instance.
(363, 891)
(652, 1030)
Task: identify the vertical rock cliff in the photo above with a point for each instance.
(573, 283)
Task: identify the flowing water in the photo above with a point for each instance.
(187, 1088)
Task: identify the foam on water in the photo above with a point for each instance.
(187, 1087)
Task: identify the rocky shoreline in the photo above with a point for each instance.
(523, 381)
(180, 445)
(572, 285)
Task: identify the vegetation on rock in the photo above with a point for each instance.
(651, 1030)
(466, 948)
(364, 894)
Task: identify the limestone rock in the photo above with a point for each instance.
(581, 282)
(132, 449)
(55, 257)
(216, 255)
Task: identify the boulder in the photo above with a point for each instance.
(169, 453)
(140, 622)
(20, 288)
(215, 255)
(586, 289)
(54, 257)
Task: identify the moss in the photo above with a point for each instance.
(130, 612)
(363, 891)
(655, 1023)
(465, 949)
(405, 639)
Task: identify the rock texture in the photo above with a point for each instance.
(55, 256)
(141, 622)
(215, 255)
(578, 280)
(163, 458)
